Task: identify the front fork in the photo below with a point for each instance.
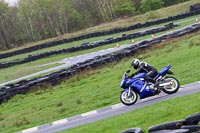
(129, 91)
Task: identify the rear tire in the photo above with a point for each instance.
(128, 100)
(172, 88)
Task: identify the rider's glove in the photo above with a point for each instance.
(132, 75)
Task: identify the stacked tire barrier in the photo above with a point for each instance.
(25, 86)
(195, 7)
(188, 125)
(88, 45)
(100, 33)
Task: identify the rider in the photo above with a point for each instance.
(144, 67)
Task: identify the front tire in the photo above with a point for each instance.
(174, 87)
(128, 100)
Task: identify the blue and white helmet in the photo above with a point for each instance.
(135, 63)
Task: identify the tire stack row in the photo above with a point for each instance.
(100, 33)
(195, 7)
(188, 125)
(85, 46)
(25, 86)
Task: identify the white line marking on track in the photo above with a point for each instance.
(116, 106)
(60, 122)
(93, 53)
(89, 113)
(30, 130)
(101, 50)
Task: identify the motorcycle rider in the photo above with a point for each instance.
(150, 71)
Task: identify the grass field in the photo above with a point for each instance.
(162, 112)
(28, 68)
(98, 88)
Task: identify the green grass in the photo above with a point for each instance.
(162, 112)
(15, 71)
(94, 89)
(18, 71)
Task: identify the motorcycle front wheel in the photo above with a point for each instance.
(173, 87)
(128, 99)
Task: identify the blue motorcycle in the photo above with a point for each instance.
(137, 86)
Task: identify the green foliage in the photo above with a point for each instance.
(122, 8)
(75, 18)
(3, 8)
(149, 5)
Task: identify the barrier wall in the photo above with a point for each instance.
(187, 125)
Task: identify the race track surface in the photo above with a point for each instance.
(110, 111)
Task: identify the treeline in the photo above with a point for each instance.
(34, 20)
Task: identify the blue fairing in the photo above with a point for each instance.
(143, 92)
(140, 75)
(163, 71)
(139, 86)
(146, 92)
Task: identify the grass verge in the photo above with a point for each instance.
(166, 111)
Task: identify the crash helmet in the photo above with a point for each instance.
(135, 63)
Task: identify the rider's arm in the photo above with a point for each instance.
(140, 68)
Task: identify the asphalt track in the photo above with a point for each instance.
(110, 111)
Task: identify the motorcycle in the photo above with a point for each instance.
(137, 86)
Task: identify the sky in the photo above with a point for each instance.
(11, 2)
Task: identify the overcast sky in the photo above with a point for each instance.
(11, 2)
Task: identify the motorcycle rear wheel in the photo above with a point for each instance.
(128, 100)
(174, 87)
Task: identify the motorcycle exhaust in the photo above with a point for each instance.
(165, 84)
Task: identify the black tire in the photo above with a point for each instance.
(173, 131)
(167, 126)
(192, 128)
(128, 100)
(174, 89)
(193, 119)
(132, 130)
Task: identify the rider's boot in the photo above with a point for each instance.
(155, 84)
(156, 87)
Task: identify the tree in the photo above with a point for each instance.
(4, 19)
(149, 5)
(122, 8)
(34, 20)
